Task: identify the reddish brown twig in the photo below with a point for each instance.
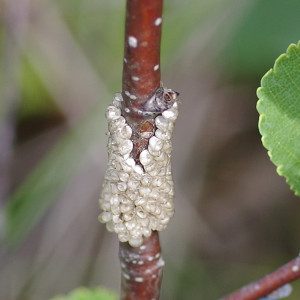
(142, 49)
(141, 267)
(141, 68)
(264, 286)
(141, 270)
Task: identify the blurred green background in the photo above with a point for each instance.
(61, 62)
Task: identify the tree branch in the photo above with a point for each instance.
(264, 286)
(141, 68)
(141, 72)
(141, 266)
(141, 269)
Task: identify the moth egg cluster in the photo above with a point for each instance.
(137, 199)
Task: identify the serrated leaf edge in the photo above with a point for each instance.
(280, 169)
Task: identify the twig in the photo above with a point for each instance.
(141, 269)
(142, 266)
(264, 286)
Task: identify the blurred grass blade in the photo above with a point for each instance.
(31, 200)
(279, 109)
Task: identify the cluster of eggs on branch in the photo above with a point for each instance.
(137, 198)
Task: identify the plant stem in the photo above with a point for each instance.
(141, 269)
(142, 49)
(264, 286)
(142, 266)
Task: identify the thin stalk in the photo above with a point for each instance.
(271, 282)
(142, 266)
(141, 269)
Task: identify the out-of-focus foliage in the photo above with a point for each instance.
(192, 15)
(36, 99)
(265, 30)
(89, 23)
(279, 108)
(88, 294)
(31, 200)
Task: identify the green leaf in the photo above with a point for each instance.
(279, 109)
(88, 294)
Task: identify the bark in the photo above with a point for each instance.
(264, 286)
(142, 266)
